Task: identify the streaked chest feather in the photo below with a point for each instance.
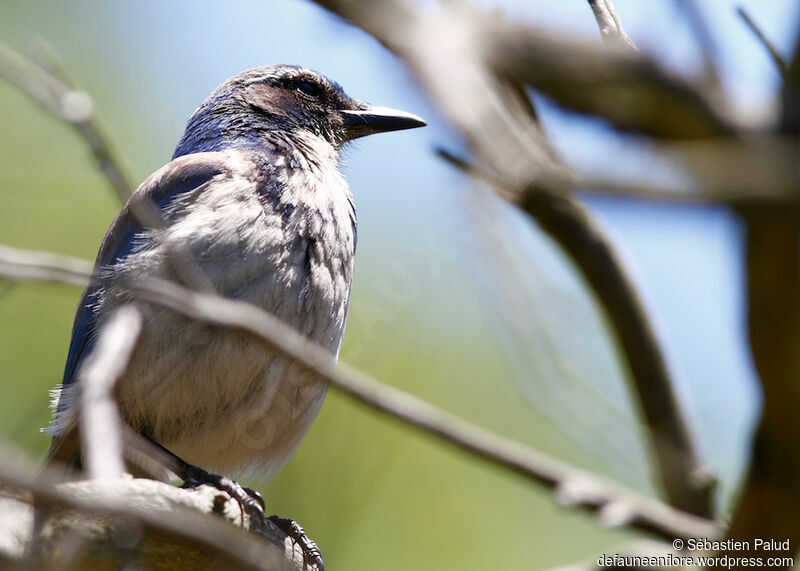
(286, 245)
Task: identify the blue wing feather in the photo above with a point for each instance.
(179, 176)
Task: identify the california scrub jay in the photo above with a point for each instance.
(254, 194)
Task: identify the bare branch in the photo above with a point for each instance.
(58, 95)
(609, 23)
(777, 58)
(767, 507)
(790, 112)
(449, 50)
(101, 432)
(739, 174)
(173, 519)
(702, 31)
(573, 486)
(657, 102)
(772, 491)
(24, 265)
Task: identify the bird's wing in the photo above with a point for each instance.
(182, 175)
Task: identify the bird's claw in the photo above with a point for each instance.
(291, 528)
(254, 494)
(250, 502)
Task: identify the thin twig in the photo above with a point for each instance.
(101, 432)
(54, 90)
(702, 31)
(573, 486)
(611, 29)
(600, 187)
(736, 175)
(777, 58)
(25, 265)
(492, 179)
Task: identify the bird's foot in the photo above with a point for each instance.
(311, 553)
(250, 502)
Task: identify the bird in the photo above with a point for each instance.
(254, 197)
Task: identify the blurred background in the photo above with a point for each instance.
(457, 297)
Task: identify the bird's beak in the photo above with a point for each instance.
(360, 123)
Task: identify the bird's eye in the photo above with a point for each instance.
(308, 88)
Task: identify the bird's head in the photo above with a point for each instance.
(284, 99)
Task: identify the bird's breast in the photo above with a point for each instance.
(285, 242)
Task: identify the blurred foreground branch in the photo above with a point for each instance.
(771, 493)
(724, 172)
(705, 38)
(30, 265)
(55, 91)
(101, 430)
(463, 56)
(614, 504)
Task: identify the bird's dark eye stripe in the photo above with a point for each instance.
(308, 88)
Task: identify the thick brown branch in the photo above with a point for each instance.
(25, 265)
(738, 174)
(768, 507)
(769, 499)
(561, 215)
(657, 102)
